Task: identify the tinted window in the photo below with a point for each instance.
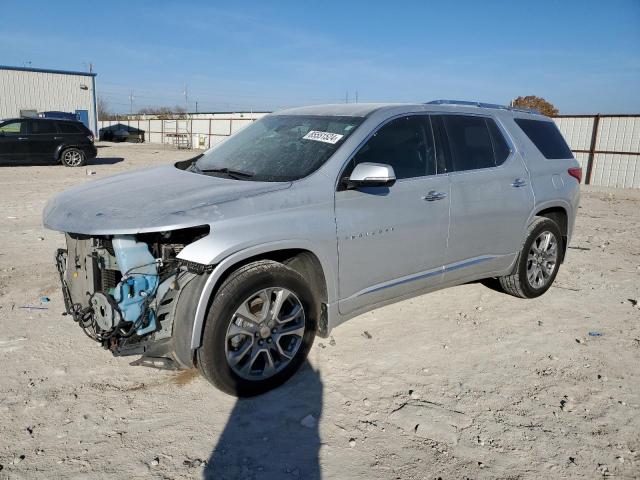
(546, 137)
(14, 128)
(470, 142)
(443, 151)
(69, 128)
(404, 143)
(43, 127)
(501, 150)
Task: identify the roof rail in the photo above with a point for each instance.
(482, 105)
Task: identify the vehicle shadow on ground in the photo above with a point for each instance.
(264, 437)
(44, 163)
(105, 160)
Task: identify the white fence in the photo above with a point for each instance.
(607, 147)
(194, 132)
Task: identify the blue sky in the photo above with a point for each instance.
(583, 56)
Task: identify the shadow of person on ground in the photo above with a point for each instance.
(264, 437)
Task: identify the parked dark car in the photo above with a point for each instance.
(31, 140)
(121, 133)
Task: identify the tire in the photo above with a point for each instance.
(73, 157)
(520, 282)
(221, 360)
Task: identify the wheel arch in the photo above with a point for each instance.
(299, 257)
(560, 215)
(61, 148)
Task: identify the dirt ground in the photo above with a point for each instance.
(466, 382)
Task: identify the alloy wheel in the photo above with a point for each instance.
(73, 158)
(265, 333)
(542, 259)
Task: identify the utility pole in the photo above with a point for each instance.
(131, 102)
(186, 99)
(356, 96)
(196, 106)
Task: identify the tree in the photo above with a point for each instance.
(164, 112)
(103, 109)
(537, 103)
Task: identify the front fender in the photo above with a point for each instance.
(229, 260)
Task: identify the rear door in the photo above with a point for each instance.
(391, 240)
(43, 139)
(14, 141)
(491, 197)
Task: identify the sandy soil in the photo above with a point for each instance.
(466, 382)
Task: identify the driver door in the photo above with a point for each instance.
(392, 240)
(14, 141)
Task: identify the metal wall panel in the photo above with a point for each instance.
(620, 171)
(576, 131)
(619, 134)
(40, 91)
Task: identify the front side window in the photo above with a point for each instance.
(546, 137)
(278, 148)
(14, 128)
(405, 143)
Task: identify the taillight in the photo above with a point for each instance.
(576, 173)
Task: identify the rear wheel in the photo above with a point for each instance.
(72, 157)
(538, 261)
(259, 329)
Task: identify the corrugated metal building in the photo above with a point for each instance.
(25, 91)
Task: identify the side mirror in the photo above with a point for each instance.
(371, 175)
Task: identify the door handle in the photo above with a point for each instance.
(519, 182)
(58, 138)
(432, 196)
(23, 138)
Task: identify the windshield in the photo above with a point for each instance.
(278, 148)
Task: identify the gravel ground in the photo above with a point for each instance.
(465, 382)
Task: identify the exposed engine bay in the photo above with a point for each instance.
(121, 289)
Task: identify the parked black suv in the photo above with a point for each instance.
(31, 140)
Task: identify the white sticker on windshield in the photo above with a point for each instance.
(325, 137)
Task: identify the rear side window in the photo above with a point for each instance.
(443, 151)
(69, 128)
(406, 144)
(501, 150)
(41, 127)
(546, 137)
(470, 142)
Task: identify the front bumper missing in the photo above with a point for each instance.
(82, 274)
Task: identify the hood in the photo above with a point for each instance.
(161, 198)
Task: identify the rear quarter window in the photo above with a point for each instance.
(69, 128)
(546, 137)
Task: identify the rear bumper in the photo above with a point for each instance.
(90, 151)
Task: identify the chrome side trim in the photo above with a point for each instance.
(468, 263)
(427, 274)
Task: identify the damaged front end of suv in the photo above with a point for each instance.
(122, 290)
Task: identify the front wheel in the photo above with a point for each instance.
(72, 157)
(538, 261)
(259, 329)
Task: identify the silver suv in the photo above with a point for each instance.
(234, 260)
